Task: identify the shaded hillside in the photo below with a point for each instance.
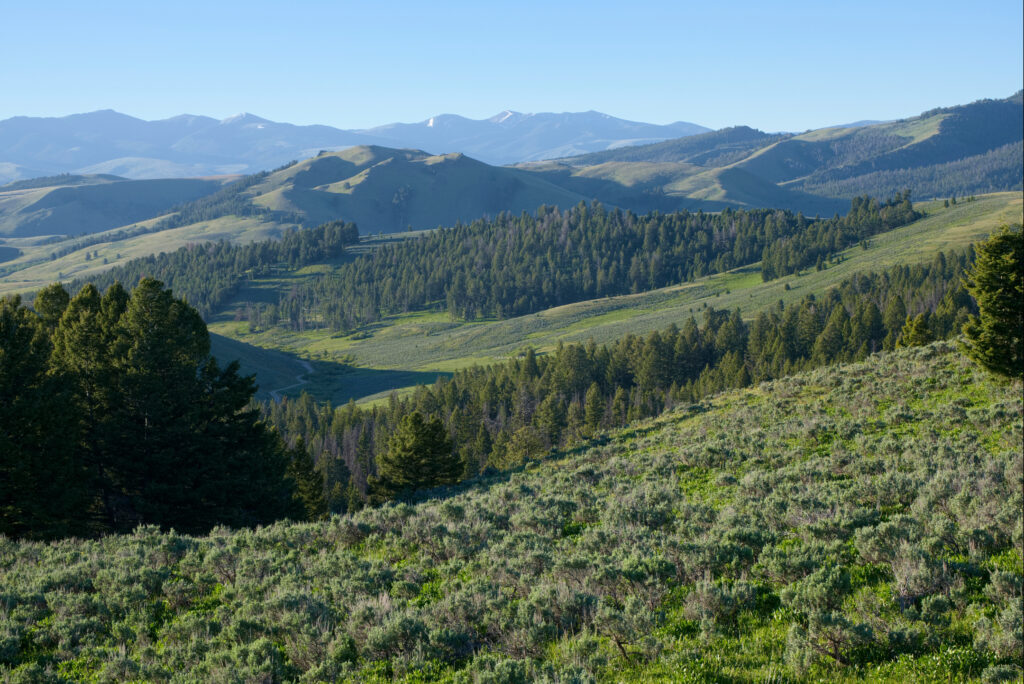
(818, 528)
(698, 172)
(713, 149)
(967, 149)
(937, 137)
(993, 171)
(75, 205)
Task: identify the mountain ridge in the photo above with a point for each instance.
(195, 145)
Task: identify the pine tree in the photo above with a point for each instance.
(829, 345)
(43, 490)
(595, 406)
(166, 435)
(995, 337)
(915, 332)
(550, 417)
(50, 303)
(308, 483)
(419, 454)
(894, 319)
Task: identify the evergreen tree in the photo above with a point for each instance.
(915, 332)
(42, 485)
(829, 345)
(308, 484)
(995, 337)
(595, 407)
(164, 434)
(895, 317)
(50, 303)
(419, 454)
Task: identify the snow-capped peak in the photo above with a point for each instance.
(507, 116)
(244, 117)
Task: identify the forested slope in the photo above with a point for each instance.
(860, 522)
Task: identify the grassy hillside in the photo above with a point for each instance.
(429, 342)
(385, 190)
(968, 149)
(75, 205)
(846, 162)
(35, 268)
(860, 523)
(670, 186)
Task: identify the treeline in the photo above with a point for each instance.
(514, 265)
(498, 416)
(994, 171)
(820, 240)
(114, 414)
(205, 275)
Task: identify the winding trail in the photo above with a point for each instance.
(300, 379)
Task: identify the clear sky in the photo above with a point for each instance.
(773, 65)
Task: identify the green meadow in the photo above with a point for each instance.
(425, 342)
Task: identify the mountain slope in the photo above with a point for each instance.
(387, 190)
(967, 149)
(701, 171)
(936, 137)
(794, 531)
(75, 205)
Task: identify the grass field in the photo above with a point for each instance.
(428, 342)
(39, 270)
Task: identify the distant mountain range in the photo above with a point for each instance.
(107, 142)
(968, 149)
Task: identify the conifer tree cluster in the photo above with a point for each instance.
(206, 275)
(115, 414)
(515, 265)
(500, 416)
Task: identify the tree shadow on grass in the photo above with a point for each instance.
(288, 375)
(339, 382)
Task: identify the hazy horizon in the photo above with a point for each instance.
(795, 68)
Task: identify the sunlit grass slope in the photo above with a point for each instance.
(860, 523)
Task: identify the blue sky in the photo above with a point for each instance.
(775, 66)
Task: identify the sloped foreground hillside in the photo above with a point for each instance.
(861, 522)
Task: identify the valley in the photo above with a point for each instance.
(426, 343)
(537, 397)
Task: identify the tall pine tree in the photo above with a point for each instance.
(995, 337)
(419, 454)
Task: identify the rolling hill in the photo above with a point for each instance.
(962, 150)
(77, 205)
(956, 151)
(388, 190)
